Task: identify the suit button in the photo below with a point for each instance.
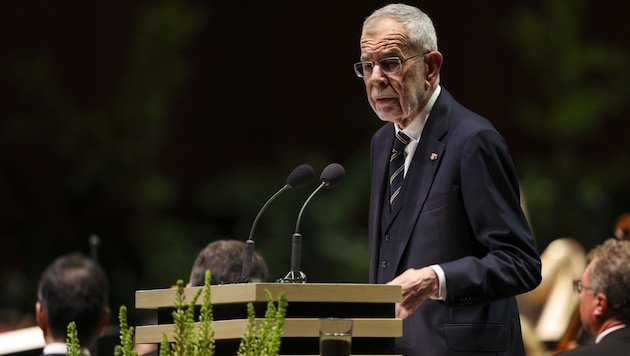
(387, 238)
(383, 264)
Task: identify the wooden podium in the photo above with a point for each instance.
(371, 306)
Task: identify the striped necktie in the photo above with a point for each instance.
(397, 166)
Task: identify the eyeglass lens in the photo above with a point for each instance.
(388, 65)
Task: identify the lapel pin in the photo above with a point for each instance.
(433, 156)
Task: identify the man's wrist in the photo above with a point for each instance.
(441, 292)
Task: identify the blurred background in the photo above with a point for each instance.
(160, 126)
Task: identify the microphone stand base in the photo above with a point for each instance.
(243, 279)
(293, 277)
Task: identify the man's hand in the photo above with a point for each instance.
(417, 285)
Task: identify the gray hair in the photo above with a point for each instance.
(418, 24)
(610, 274)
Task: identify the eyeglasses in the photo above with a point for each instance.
(389, 65)
(578, 286)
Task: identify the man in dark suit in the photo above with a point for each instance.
(605, 300)
(453, 235)
(73, 288)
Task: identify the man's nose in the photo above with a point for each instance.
(377, 76)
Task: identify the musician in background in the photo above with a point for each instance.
(604, 291)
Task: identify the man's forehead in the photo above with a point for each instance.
(384, 35)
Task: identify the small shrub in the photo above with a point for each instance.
(72, 341)
(190, 341)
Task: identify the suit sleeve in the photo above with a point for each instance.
(508, 262)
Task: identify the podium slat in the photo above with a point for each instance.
(295, 327)
(255, 292)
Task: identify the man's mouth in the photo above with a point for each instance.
(384, 100)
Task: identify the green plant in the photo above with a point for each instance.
(126, 335)
(72, 342)
(265, 340)
(192, 338)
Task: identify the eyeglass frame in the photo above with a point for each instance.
(401, 61)
(578, 286)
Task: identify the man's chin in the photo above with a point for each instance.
(398, 120)
(390, 115)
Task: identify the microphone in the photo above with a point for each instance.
(330, 177)
(299, 177)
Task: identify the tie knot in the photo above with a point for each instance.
(400, 142)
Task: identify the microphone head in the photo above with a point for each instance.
(332, 175)
(300, 176)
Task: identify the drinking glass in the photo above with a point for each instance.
(335, 336)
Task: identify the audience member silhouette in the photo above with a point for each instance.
(74, 288)
(224, 259)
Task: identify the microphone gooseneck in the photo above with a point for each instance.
(299, 177)
(330, 177)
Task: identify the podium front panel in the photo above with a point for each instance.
(371, 306)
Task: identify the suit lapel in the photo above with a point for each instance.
(422, 170)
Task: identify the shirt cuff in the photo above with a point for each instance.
(442, 283)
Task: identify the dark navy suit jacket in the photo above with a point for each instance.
(461, 210)
(617, 343)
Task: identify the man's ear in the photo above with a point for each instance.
(104, 320)
(40, 316)
(433, 62)
(602, 304)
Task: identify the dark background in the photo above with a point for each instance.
(161, 126)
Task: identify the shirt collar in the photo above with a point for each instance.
(55, 348)
(60, 348)
(608, 331)
(415, 127)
